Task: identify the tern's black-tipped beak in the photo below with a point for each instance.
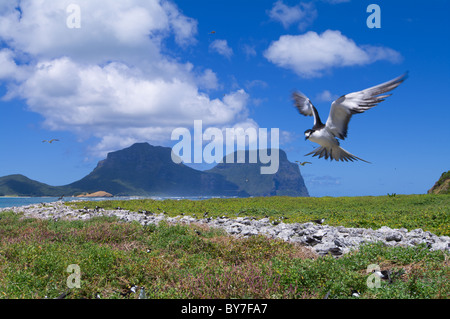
(308, 134)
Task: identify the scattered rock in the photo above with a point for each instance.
(323, 239)
(394, 236)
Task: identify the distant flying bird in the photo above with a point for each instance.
(340, 114)
(212, 32)
(303, 163)
(50, 141)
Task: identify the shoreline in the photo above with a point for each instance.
(321, 238)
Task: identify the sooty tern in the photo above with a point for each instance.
(341, 112)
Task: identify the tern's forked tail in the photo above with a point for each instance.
(336, 153)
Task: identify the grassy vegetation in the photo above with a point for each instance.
(442, 186)
(174, 261)
(444, 177)
(429, 212)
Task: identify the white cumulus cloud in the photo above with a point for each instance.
(303, 14)
(221, 47)
(117, 104)
(110, 78)
(326, 96)
(9, 69)
(311, 54)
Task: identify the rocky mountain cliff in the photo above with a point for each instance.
(287, 181)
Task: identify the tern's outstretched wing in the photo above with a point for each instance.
(305, 107)
(357, 102)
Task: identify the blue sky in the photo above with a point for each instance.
(135, 70)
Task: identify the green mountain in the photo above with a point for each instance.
(287, 181)
(19, 185)
(143, 169)
(146, 170)
(442, 186)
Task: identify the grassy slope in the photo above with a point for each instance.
(176, 262)
(442, 186)
(23, 186)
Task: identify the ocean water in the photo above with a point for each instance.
(23, 201)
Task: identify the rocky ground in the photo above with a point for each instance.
(322, 238)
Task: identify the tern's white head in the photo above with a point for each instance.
(308, 134)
